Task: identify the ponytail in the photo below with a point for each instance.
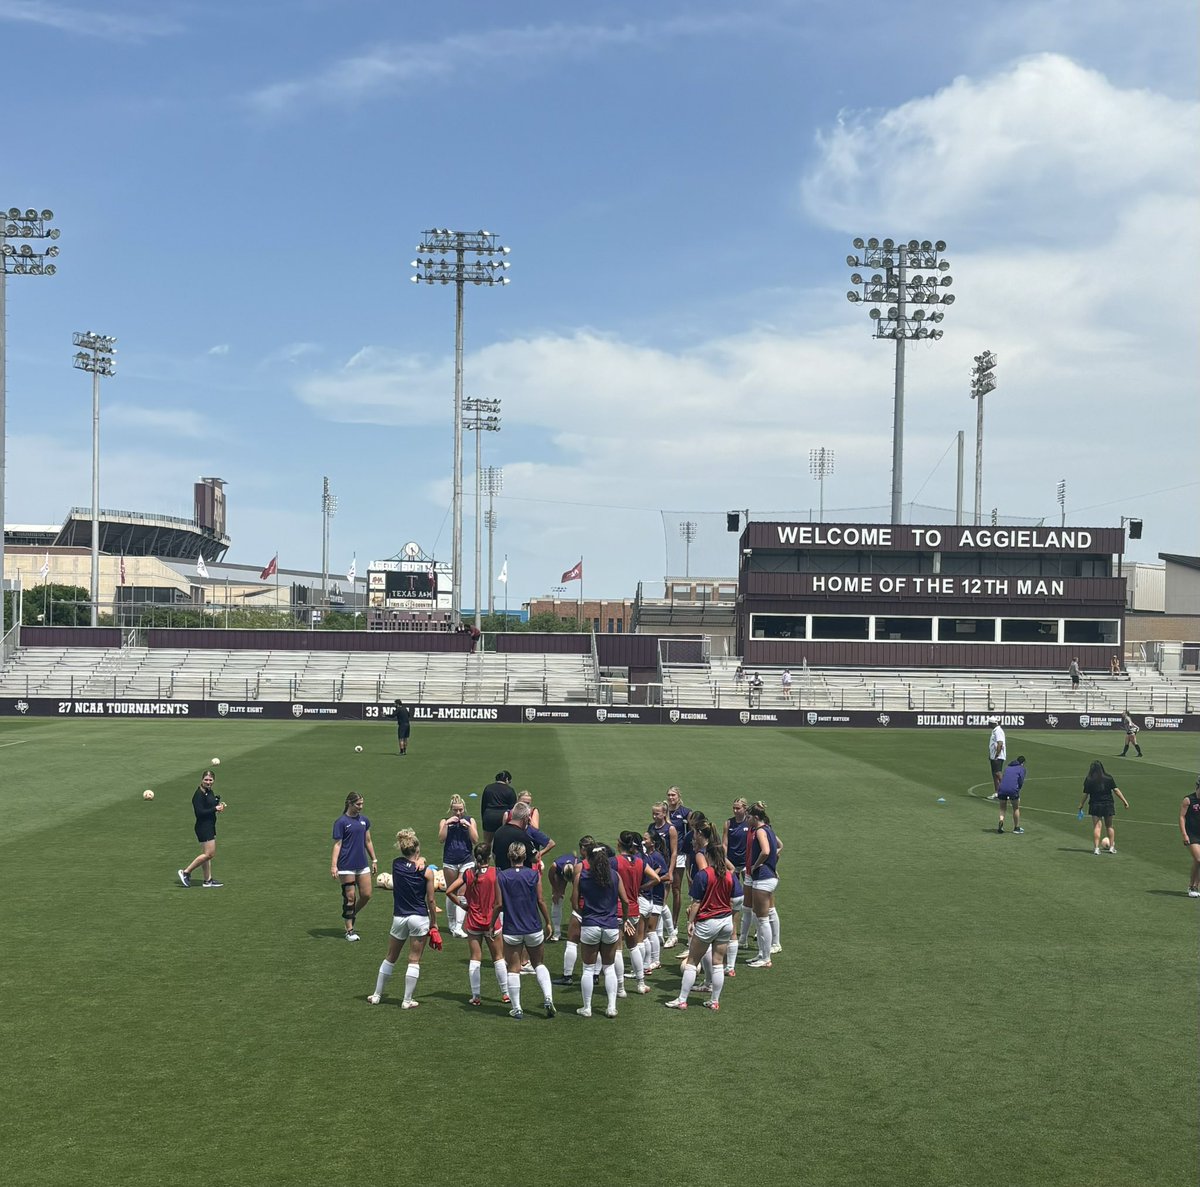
(598, 867)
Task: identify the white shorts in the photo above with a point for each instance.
(656, 908)
(645, 906)
(680, 862)
(535, 939)
(714, 931)
(594, 936)
(577, 917)
(354, 873)
(765, 884)
(451, 871)
(404, 926)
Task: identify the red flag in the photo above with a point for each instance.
(122, 568)
(575, 574)
(271, 569)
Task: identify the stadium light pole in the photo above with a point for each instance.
(485, 418)
(482, 268)
(820, 465)
(687, 529)
(329, 506)
(17, 261)
(1062, 502)
(95, 354)
(893, 286)
(983, 380)
(493, 484)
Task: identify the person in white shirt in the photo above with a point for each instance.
(997, 753)
(786, 682)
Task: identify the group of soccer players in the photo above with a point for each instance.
(618, 899)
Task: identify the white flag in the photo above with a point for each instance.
(201, 568)
(352, 572)
(45, 569)
(503, 578)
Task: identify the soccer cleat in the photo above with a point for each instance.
(622, 991)
(352, 936)
(474, 1001)
(610, 1011)
(373, 999)
(550, 1010)
(676, 1003)
(409, 1004)
(731, 972)
(184, 879)
(669, 942)
(703, 987)
(1017, 832)
(642, 988)
(714, 1006)
(212, 884)
(759, 963)
(1096, 851)
(556, 938)
(516, 1014)
(1112, 849)
(505, 999)
(583, 1012)
(564, 981)
(999, 828)
(776, 949)
(1192, 893)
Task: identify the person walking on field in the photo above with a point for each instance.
(353, 861)
(1099, 788)
(205, 804)
(1009, 791)
(1131, 733)
(997, 752)
(1189, 825)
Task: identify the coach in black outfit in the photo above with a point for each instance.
(497, 799)
(514, 832)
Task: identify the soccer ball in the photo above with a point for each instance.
(147, 794)
(1105, 843)
(384, 879)
(216, 762)
(358, 750)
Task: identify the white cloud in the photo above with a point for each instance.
(112, 24)
(221, 349)
(179, 422)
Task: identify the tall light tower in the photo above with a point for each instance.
(482, 268)
(485, 418)
(95, 354)
(493, 484)
(687, 529)
(17, 261)
(1062, 502)
(892, 288)
(820, 466)
(983, 380)
(329, 506)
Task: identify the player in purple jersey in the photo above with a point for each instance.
(560, 871)
(656, 859)
(526, 922)
(677, 813)
(413, 915)
(1189, 826)
(458, 833)
(733, 838)
(762, 854)
(353, 862)
(205, 804)
(570, 872)
(599, 897)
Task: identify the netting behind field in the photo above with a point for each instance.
(697, 544)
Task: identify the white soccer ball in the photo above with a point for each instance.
(384, 879)
(147, 794)
(216, 762)
(358, 750)
(1105, 843)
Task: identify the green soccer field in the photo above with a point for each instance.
(950, 1007)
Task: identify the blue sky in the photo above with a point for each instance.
(240, 188)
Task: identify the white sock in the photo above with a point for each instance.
(542, 976)
(747, 915)
(763, 924)
(514, 990)
(773, 916)
(385, 971)
(410, 981)
(587, 985)
(731, 954)
(611, 981)
(707, 963)
(619, 964)
(473, 968)
(668, 921)
(639, 965)
(655, 947)
(501, 976)
(570, 956)
(718, 983)
(645, 946)
(556, 917)
(689, 979)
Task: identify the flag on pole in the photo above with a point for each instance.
(504, 572)
(122, 568)
(574, 574)
(352, 572)
(45, 569)
(201, 567)
(271, 569)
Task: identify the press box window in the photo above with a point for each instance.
(966, 630)
(910, 630)
(842, 627)
(1028, 630)
(1105, 632)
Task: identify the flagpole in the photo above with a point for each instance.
(579, 616)
(506, 591)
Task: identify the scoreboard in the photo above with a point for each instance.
(413, 584)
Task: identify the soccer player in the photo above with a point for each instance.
(1189, 825)
(733, 840)
(661, 826)
(710, 923)
(636, 877)
(570, 871)
(656, 859)
(598, 890)
(403, 725)
(478, 885)
(205, 804)
(1131, 733)
(353, 862)
(762, 854)
(519, 897)
(535, 817)
(497, 798)
(413, 913)
(677, 813)
(997, 753)
(458, 833)
(1098, 790)
(560, 872)
(1009, 791)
